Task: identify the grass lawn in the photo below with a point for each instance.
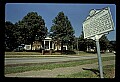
(39, 53)
(109, 72)
(22, 53)
(23, 68)
(36, 54)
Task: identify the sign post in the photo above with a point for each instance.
(99, 56)
(97, 24)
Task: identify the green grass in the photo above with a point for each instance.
(38, 56)
(29, 53)
(22, 53)
(85, 74)
(34, 54)
(23, 68)
(39, 53)
(109, 72)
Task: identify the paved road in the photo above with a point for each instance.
(23, 60)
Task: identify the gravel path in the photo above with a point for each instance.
(58, 71)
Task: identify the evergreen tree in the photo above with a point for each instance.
(62, 30)
(10, 33)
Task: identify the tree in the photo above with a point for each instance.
(62, 30)
(112, 46)
(75, 44)
(31, 25)
(104, 42)
(10, 39)
(85, 43)
(82, 43)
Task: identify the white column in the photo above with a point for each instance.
(44, 44)
(66, 47)
(49, 44)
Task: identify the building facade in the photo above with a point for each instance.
(46, 44)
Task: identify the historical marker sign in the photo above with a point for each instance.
(98, 23)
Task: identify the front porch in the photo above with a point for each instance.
(47, 44)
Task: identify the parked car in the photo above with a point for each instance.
(19, 48)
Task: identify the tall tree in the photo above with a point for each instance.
(31, 25)
(62, 30)
(10, 40)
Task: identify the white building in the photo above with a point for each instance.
(46, 44)
(49, 44)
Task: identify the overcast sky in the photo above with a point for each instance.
(76, 13)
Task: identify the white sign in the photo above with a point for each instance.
(100, 22)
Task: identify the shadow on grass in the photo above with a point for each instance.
(97, 72)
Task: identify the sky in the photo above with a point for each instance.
(76, 13)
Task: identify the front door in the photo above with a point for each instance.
(46, 44)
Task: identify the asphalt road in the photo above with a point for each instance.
(23, 60)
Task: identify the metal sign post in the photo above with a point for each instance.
(98, 23)
(99, 55)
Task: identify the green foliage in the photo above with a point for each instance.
(31, 25)
(112, 45)
(10, 36)
(104, 42)
(62, 30)
(83, 43)
(24, 31)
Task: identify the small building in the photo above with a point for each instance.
(46, 44)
